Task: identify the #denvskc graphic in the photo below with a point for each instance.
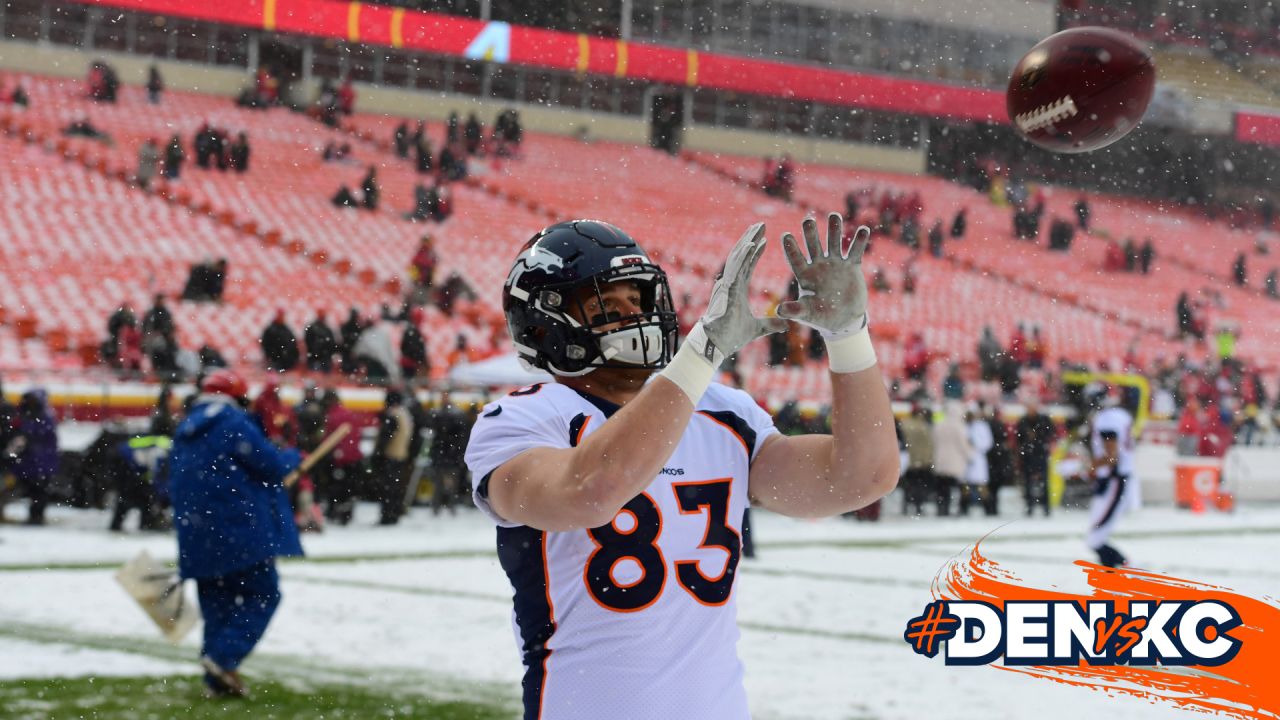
(1170, 640)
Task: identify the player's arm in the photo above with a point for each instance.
(820, 475)
(586, 485)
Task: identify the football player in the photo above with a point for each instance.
(1116, 489)
(619, 489)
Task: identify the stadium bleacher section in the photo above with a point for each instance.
(290, 247)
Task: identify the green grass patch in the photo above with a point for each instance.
(145, 698)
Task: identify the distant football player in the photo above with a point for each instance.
(1116, 489)
(619, 489)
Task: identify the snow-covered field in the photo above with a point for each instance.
(424, 607)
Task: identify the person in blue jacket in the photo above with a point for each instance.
(34, 452)
(233, 518)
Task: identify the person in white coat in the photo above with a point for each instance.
(976, 473)
(951, 452)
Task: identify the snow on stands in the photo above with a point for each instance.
(822, 609)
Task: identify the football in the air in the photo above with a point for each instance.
(1081, 89)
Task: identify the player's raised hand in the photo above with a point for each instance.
(833, 291)
(728, 323)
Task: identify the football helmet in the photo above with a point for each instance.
(543, 299)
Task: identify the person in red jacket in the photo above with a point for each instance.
(346, 97)
(338, 473)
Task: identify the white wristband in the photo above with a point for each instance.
(690, 372)
(851, 354)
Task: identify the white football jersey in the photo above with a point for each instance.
(1117, 419)
(636, 619)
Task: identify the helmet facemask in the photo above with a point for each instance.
(600, 339)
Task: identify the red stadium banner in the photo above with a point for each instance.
(1257, 128)
(502, 42)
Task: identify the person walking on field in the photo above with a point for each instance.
(232, 514)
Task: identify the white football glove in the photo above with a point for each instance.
(728, 324)
(833, 292)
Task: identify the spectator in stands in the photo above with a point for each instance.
(17, 97)
(219, 148)
(1082, 213)
(422, 155)
(951, 453)
(335, 152)
(1113, 261)
(206, 281)
(453, 163)
(155, 85)
(158, 319)
(210, 358)
(880, 281)
(1240, 271)
(348, 333)
(1018, 346)
(453, 130)
(346, 97)
(203, 145)
(103, 82)
(910, 233)
(414, 362)
(400, 140)
(423, 270)
(936, 239)
(424, 202)
(1037, 349)
(915, 358)
(34, 450)
(1130, 255)
(266, 88)
(1146, 256)
(454, 289)
(960, 224)
(1271, 283)
(373, 353)
(369, 188)
(1184, 316)
(84, 128)
(1060, 235)
(989, 354)
(279, 345)
(173, 158)
(463, 352)
(148, 163)
(238, 153)
(321, 344)
(1033, 440)
(473, 135)
(113, 351)
(344, 198)
(918, 478)
(507, 132)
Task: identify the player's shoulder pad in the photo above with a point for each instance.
(537, 399)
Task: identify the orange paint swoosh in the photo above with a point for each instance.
(1246, 687)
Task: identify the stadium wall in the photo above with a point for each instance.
(62, 61)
